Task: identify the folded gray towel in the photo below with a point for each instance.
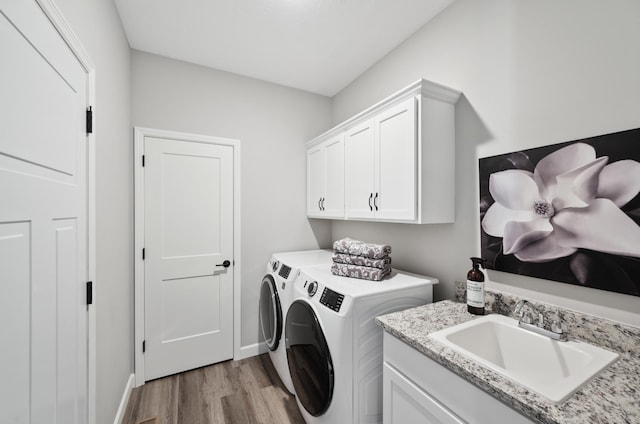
(362, 272)
(360, 248)
(343, 258)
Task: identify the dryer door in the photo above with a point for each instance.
(270, 312)
(309, 358)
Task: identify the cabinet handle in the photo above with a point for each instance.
(322, 203)
(319, 205)
(375, 201)
(370, 197)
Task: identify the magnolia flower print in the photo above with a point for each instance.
(571, 201)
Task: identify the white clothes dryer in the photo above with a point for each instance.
(334, 347)
(275, 297)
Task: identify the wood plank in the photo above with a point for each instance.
(157, 398)
(231, 392)
(237, 409)
(153, 420)
(193, 399)
(282, 405)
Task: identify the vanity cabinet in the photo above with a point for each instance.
(399, 159)
(325, 178)
(416, 389)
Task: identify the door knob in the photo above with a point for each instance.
(225, 264)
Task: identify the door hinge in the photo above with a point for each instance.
(143, 253)
(144, 346)
(143, 160)
(89, 292)
(89, 120)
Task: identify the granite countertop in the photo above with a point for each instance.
(612, 397)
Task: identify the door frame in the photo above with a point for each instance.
(139, 195)
(57, 19)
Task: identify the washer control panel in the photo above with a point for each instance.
(332, 300)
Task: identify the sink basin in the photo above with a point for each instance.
(553, 369)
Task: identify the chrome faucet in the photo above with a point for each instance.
(524, 316)
(525, 321)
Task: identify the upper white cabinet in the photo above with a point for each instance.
(399, 159)
(380, 165)
(360, 170)
(325, 178)
(396, 161)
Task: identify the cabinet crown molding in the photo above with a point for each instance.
(422, 86)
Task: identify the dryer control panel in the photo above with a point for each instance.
(332, 300)
(284, 271)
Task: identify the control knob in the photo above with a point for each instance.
(275, 265)
(312, 288)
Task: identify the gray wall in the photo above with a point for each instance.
(532, 73)
(272, 123)
(97, 25)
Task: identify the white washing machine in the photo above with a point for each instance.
(275, 297)
(334, 347)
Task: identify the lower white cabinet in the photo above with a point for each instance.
(418, 390)
(404, 402)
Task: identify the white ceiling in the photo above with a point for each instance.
(314, 45)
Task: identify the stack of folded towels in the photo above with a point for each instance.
(354, 258)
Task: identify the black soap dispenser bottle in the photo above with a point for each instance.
(475, 288)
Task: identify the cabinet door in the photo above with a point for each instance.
(315, 180)
(404, 402)
(359, 171)
(396, 156)
(333, 198)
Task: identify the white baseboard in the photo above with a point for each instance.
(125, 400)
(252, 350)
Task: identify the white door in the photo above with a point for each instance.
(359, 171)
(43, 222)
(333, 199)
(396, 157)
(188, 237)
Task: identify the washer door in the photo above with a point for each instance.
(270, 312)
(309, 358)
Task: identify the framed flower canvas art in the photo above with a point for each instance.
(567, 212)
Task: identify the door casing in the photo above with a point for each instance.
(140, 133)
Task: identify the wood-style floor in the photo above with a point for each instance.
(233, 392)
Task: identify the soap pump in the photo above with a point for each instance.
(475, 288)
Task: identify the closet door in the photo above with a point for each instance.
(359, 171)
(43, 221)
(188, 228)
